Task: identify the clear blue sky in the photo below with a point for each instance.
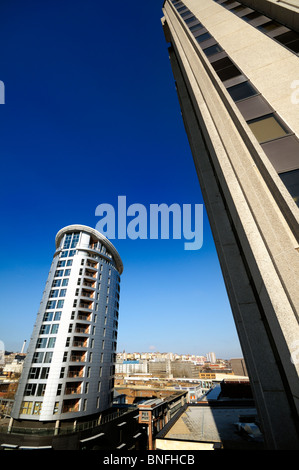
(91, 113)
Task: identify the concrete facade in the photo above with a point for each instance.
(253, 217)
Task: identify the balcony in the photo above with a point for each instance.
(88, 305)
(71, 406)
(85, 316)
(75, 372)
(91, 264)
(90, 274)
(73, 388)
(87, 293)
(78, 356)
(82, 328)
(79, 342)
(92, 285)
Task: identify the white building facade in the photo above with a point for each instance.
(69, 368)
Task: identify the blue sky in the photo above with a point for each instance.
(91, 113)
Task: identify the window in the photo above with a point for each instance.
(48, 316)
(291, 181)
(65, 282)
(37, 357)
(34, 373)
(267, 128)
(229, 2)
(53, 293)
(290, 40)
(44, 329)
(30, 390)
(45, 373)
(69, 262)
(213, 50)
(67, 272)
(241, 91)
(58, 273)
(238, 9)
(67, 241)
(60, 264)
(37, 407)
(62, 293)
(56, 408)
(72, 252)
(195, 27)
(269, 26)
(26, 408)
(60, 303)
(251, 16)
(54, 329)
(75, 240)
(41, 390)
(203, 37)
(64, 254)
(51, 304)
(225, 69)
(57, 316)
(190, 20)
(56, 283)
(48, 357)
(41, 343)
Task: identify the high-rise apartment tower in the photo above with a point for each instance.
(236, 69)
(69, 368)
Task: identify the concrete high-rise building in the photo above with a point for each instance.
(236, 69)
(69, 368)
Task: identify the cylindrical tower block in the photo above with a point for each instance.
(69, 368)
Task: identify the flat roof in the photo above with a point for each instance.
(208, 424)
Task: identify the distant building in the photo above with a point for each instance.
(131, 367)
(211, 357)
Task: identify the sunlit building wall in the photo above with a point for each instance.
(236, 70)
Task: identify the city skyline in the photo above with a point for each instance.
(86, 120)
